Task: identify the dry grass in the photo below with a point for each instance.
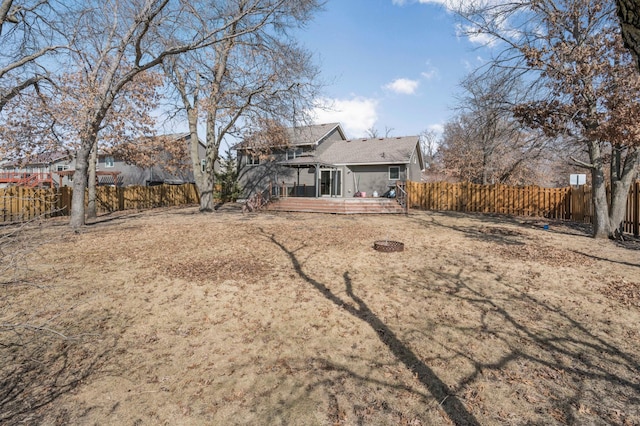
(174, 317)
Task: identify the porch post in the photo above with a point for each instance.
(317, 184)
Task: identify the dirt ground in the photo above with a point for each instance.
(175, 317)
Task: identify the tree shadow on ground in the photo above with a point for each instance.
(565, 365)
(637, 265)
(39, 367)
(555, 226)
(489, 229)
(577, 366)
(452, 406)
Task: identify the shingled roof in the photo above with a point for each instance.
(312, 134)
(301, 136)
(396, 150)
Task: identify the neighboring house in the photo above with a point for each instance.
(40, 171)
(57, 169)
(319, 161)
(161, 166)
(157, 172)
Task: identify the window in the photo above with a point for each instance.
(203, 165)
(293, 153)
(394, 172)
(109, 162)
(253, 159)
(62, 167)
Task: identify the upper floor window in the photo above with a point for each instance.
(253, 159)
(62, 167)
(394, 172)
(293, 153)
(109, 161)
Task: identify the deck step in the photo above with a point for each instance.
(337, 205)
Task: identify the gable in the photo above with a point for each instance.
(312, 135)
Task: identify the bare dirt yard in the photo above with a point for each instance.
(175, 317)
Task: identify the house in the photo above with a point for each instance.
(152, 161)
(133, 164)
(319, 161)
(39, 171)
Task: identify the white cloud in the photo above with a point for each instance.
(446, 3)
(475, 36)
(403, 86)
(431, 72)
(438, 129)
(467, 31)
(356, 115)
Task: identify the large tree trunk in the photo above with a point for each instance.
(91, 182)
(203, 178)
(601, 223)
(629, 13)
(77, 219)
(623, 172)
(206, 193)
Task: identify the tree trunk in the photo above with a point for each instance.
(601, 224)
(622, 176)
(77, 218)
(629, 13)
(206, 193)
(203, 178)
(91, 182)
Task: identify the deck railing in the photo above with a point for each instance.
(401, 195)
(291, 190)
(28, 179)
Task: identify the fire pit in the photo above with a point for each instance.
(388, 246)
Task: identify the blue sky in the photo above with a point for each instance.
(389, 64)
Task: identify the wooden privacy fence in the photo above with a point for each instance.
(19, 204)
(555, 203)
(502, 199)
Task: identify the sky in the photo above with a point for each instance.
(391, 65)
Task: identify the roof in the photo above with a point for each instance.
(37, 159)
(171, 137)
(396, 150)
(312, 134)
(302, 135)
(304, 161)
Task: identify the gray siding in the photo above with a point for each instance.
(415, 166)
(371, 178)
(375, 156)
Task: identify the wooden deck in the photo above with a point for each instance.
(336, 205)
(26, 179)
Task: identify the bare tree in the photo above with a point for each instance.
(591, 87)
(120, 40)
(373, 133)
(429, 145)
(485, 143)
(27, 36)
(253, 76)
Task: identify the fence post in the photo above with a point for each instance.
(636, 209)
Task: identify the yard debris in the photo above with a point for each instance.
(623, 291)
